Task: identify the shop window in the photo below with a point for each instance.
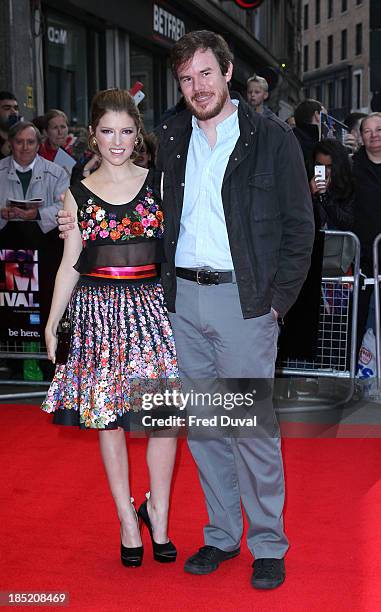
(141, 68)
(66, 67)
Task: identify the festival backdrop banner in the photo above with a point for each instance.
(19, 295)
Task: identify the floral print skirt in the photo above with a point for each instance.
(121, 347)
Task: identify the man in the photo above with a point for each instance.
(239, 231)
(257, 91)
(9, 115)
(25, 175)
(307, 120)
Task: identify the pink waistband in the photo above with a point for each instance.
(128, 272)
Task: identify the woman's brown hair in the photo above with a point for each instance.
(116, 100)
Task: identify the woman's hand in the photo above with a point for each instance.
(51, 344)
(318, 185)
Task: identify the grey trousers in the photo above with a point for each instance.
(214, 341)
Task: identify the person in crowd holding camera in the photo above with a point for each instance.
(332, 186)
(121, 337)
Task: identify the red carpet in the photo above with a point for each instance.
(58, 529)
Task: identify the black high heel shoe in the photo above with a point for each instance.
(132, 557)
(164, 553)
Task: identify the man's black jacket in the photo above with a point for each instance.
(267, 205)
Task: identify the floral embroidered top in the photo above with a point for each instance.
(119, 235)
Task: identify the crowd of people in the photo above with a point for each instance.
(347, 198)
(181, 253)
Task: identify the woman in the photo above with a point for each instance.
(367, 223)
(333, 197)
(120, 330)
(56, 132)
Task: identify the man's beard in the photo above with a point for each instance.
(204, 115)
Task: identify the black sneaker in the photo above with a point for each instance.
(207, 559)
(268, 573)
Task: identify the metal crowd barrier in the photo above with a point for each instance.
(336, 353)
(331, 373)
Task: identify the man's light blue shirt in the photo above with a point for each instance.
(203, 239)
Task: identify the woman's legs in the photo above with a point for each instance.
(115, 459)
(161, 454)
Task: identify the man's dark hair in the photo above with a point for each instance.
(306, 110)
(200, 40)
(7, 95)
(341, 177)
(352, 120)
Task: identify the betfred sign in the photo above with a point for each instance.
(166, 24)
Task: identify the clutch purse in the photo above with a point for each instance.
(63, 340)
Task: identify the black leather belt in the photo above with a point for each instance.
(205, 277)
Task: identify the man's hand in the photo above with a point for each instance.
(6, 213)
(26, 215)
(275, 313)
(65, 223)
(18, 213)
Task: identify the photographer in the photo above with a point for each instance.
(333, 193)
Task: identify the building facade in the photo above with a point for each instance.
(336, 54)
(69, 49)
